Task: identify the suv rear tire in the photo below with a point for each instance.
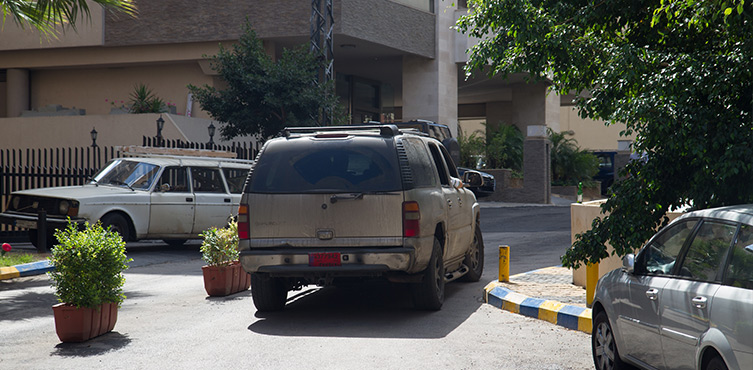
(429, 293)
(269, 293)
(475, 258)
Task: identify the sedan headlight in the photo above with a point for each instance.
(63, 207)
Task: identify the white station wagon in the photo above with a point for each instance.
(173, 198)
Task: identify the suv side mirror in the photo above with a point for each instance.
(628, 263)
(472, 178)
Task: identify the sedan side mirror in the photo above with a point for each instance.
(472, 179)
(628, 263)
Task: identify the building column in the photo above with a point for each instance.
(537, 163)
(430, 86)
(17, 89)
(526, 105)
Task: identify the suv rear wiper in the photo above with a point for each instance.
(352, 196)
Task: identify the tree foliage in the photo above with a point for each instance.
(678, 73)
(45, 15)
(263, 96)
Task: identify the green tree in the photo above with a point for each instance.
(45, 15)
(570, 163)
(678, 73)
(264, 96)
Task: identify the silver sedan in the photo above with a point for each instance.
(685, 301)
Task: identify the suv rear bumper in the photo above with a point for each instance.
(354, 261)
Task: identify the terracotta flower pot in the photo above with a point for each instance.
(220, 281)
(74, 324)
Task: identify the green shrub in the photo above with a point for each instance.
(220, 246)
(504, 147)
(570, 164)
(88, 265)
(471, 148)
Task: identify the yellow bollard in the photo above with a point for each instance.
(504, 263)
(592, 277)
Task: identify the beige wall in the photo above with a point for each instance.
(93, 86)
(112, 129)
(581, 217)
(590, 134)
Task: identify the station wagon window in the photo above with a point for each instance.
(235, 177)
(173, 180)
(708, 251)
(137, 175)
(206, 180)
(740, 270)
(659, 256)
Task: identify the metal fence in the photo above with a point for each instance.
(22, 169)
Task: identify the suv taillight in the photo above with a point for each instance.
(243, 222)
(411, 219)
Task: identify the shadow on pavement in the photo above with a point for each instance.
(375, 310)
(111, 341)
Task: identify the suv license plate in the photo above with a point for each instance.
(324, 259)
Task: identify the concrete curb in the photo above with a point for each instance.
(568, 316)
(26, 269)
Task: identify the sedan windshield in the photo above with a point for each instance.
(131, 174)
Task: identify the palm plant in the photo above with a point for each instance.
(45, 15)
(143, 100)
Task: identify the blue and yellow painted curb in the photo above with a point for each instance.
(569, 316)
(26, 269)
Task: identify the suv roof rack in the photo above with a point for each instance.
(384, 130)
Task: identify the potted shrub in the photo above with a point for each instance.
(223, 274)
(88, 281)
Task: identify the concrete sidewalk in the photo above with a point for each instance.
(540, 294)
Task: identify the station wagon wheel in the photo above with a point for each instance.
(603, 346)
(475, 257)
(117, 223)
(34, 240)
(429, 293)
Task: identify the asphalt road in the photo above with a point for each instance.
(167, 321)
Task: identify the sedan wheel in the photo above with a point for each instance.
(603, 346)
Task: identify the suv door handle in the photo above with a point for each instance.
(652, 294)
(699, 302)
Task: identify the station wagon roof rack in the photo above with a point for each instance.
(181, 154)
(384, 130)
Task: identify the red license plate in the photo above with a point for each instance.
(324, 259)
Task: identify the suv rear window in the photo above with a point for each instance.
(311, 165)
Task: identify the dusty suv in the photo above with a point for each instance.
(324, 204)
